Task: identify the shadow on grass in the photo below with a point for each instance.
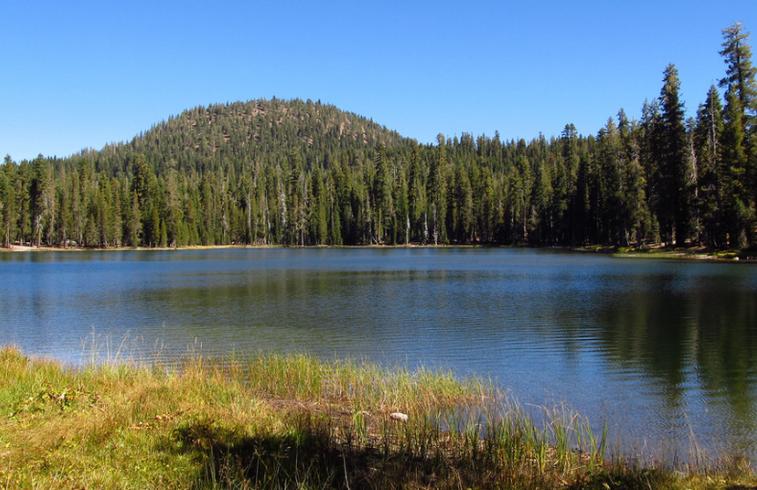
(307, 454)
(312, 452)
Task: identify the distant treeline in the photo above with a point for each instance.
(305, 173)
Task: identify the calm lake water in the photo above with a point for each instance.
(660, 350)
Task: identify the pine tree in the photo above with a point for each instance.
(650, 149)
(320, 224)
(611, 184)
(437, 192)
(116, 223)
(335, 212)
(402, 217)
(708, 133)
(163, 235)
(584, 200)
(740, 79)
(638, 224)
(740, 74)
(134, 220)
(417, 197)
(8, 217)
(173, 211)
(42, 194)
(384, 207)
(4, 185)
(462, 218)
(737, 213)
(676, 204)
(565, 185)
(520, 204)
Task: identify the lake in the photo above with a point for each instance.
(662, 350)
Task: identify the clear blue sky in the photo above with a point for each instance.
(81, 74)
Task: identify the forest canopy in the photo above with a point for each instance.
(304, 173)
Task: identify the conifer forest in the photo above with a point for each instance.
(295, 172)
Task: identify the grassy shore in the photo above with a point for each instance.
(295, 422)
(669, 253)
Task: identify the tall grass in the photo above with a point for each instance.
(294, 422)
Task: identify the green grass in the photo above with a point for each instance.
(692, 253)
(295, 422)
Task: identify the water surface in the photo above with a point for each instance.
(662, 351)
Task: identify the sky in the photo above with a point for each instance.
(77, 75)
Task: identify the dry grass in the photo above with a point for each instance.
(293, 422)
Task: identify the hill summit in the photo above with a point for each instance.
(255, 130)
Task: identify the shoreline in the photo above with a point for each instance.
(694, 254)
(281, 420)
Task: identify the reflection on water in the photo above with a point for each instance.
(658, 349)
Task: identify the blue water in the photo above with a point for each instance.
(662, 351)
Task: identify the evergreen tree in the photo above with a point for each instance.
(737, 214)
(565, 186)
(6, 200)
(675, 209)
(384, 207)
(9, 215)
(740, 79)
(708, 134)
(417, 198)
(402, 215)
(320, 230)
(437, 191)
(134, 226)
(41, 197)
(740, 74)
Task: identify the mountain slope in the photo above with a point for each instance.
(255, 130)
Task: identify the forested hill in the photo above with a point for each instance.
(258, 131)
(305, 173)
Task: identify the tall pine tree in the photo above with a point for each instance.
(676, 200)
